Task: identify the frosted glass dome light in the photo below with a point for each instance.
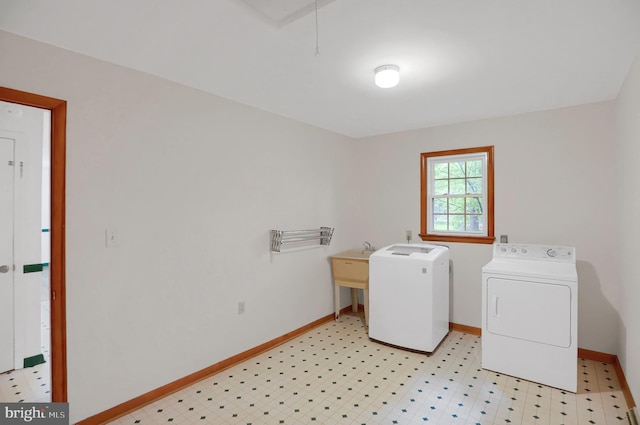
(387, 76)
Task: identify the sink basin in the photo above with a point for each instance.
(354, 253)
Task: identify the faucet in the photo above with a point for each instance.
(368, 246)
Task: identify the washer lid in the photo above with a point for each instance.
(532, 268)
(406, 250)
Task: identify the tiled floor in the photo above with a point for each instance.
(26, 385)
(32, 384)
(335, 375)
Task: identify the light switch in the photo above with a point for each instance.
(111, 236)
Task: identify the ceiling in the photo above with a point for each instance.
(460, 60)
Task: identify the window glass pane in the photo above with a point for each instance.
(456, 223)
(441, 170)
(474, 168)
(457, 187)
(456, 169)
(456, 205)
(474, 185)
(441, 187)
(440, 206)
(474, 205)
(440, 222)
(474, 223)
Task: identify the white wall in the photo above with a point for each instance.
(192, 183)
(626, 215)
(554, 174)
(26, 125)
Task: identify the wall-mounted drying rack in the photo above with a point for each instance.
(279, 238)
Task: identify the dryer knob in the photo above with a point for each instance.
(552, 252)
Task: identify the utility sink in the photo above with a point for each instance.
(356, 254)
(351, 269)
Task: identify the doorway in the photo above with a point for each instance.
(57, 298)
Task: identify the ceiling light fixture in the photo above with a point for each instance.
(387, 76)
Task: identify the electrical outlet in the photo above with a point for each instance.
(408, 236)
(504, 238)
(241, 307)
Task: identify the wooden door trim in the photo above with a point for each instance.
(57, 263)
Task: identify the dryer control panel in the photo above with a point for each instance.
(535, 252)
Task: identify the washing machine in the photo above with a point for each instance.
(530, 314)
(409, 295)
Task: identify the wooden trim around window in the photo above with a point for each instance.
(457, 238)
(424, 235)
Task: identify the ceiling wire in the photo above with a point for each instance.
(317, 32)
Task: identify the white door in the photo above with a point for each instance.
(532, 311)
(7, 174)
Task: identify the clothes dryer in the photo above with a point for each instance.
(530, 314)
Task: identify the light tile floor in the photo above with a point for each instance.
(335, 375)
(32, 384)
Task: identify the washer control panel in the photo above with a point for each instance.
(534, 252)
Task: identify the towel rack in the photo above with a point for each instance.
(283, 237)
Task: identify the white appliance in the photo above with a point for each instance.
(530, 314)
(409, 295)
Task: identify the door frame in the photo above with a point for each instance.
(57, 262)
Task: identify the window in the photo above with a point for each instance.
(456, 191)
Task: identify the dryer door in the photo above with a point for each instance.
(532, 311)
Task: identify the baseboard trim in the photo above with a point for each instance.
(465, 329)
(154, 395)
(623, 384)
(33, 360)
(596, 356)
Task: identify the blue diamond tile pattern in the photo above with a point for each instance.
(334, 374)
